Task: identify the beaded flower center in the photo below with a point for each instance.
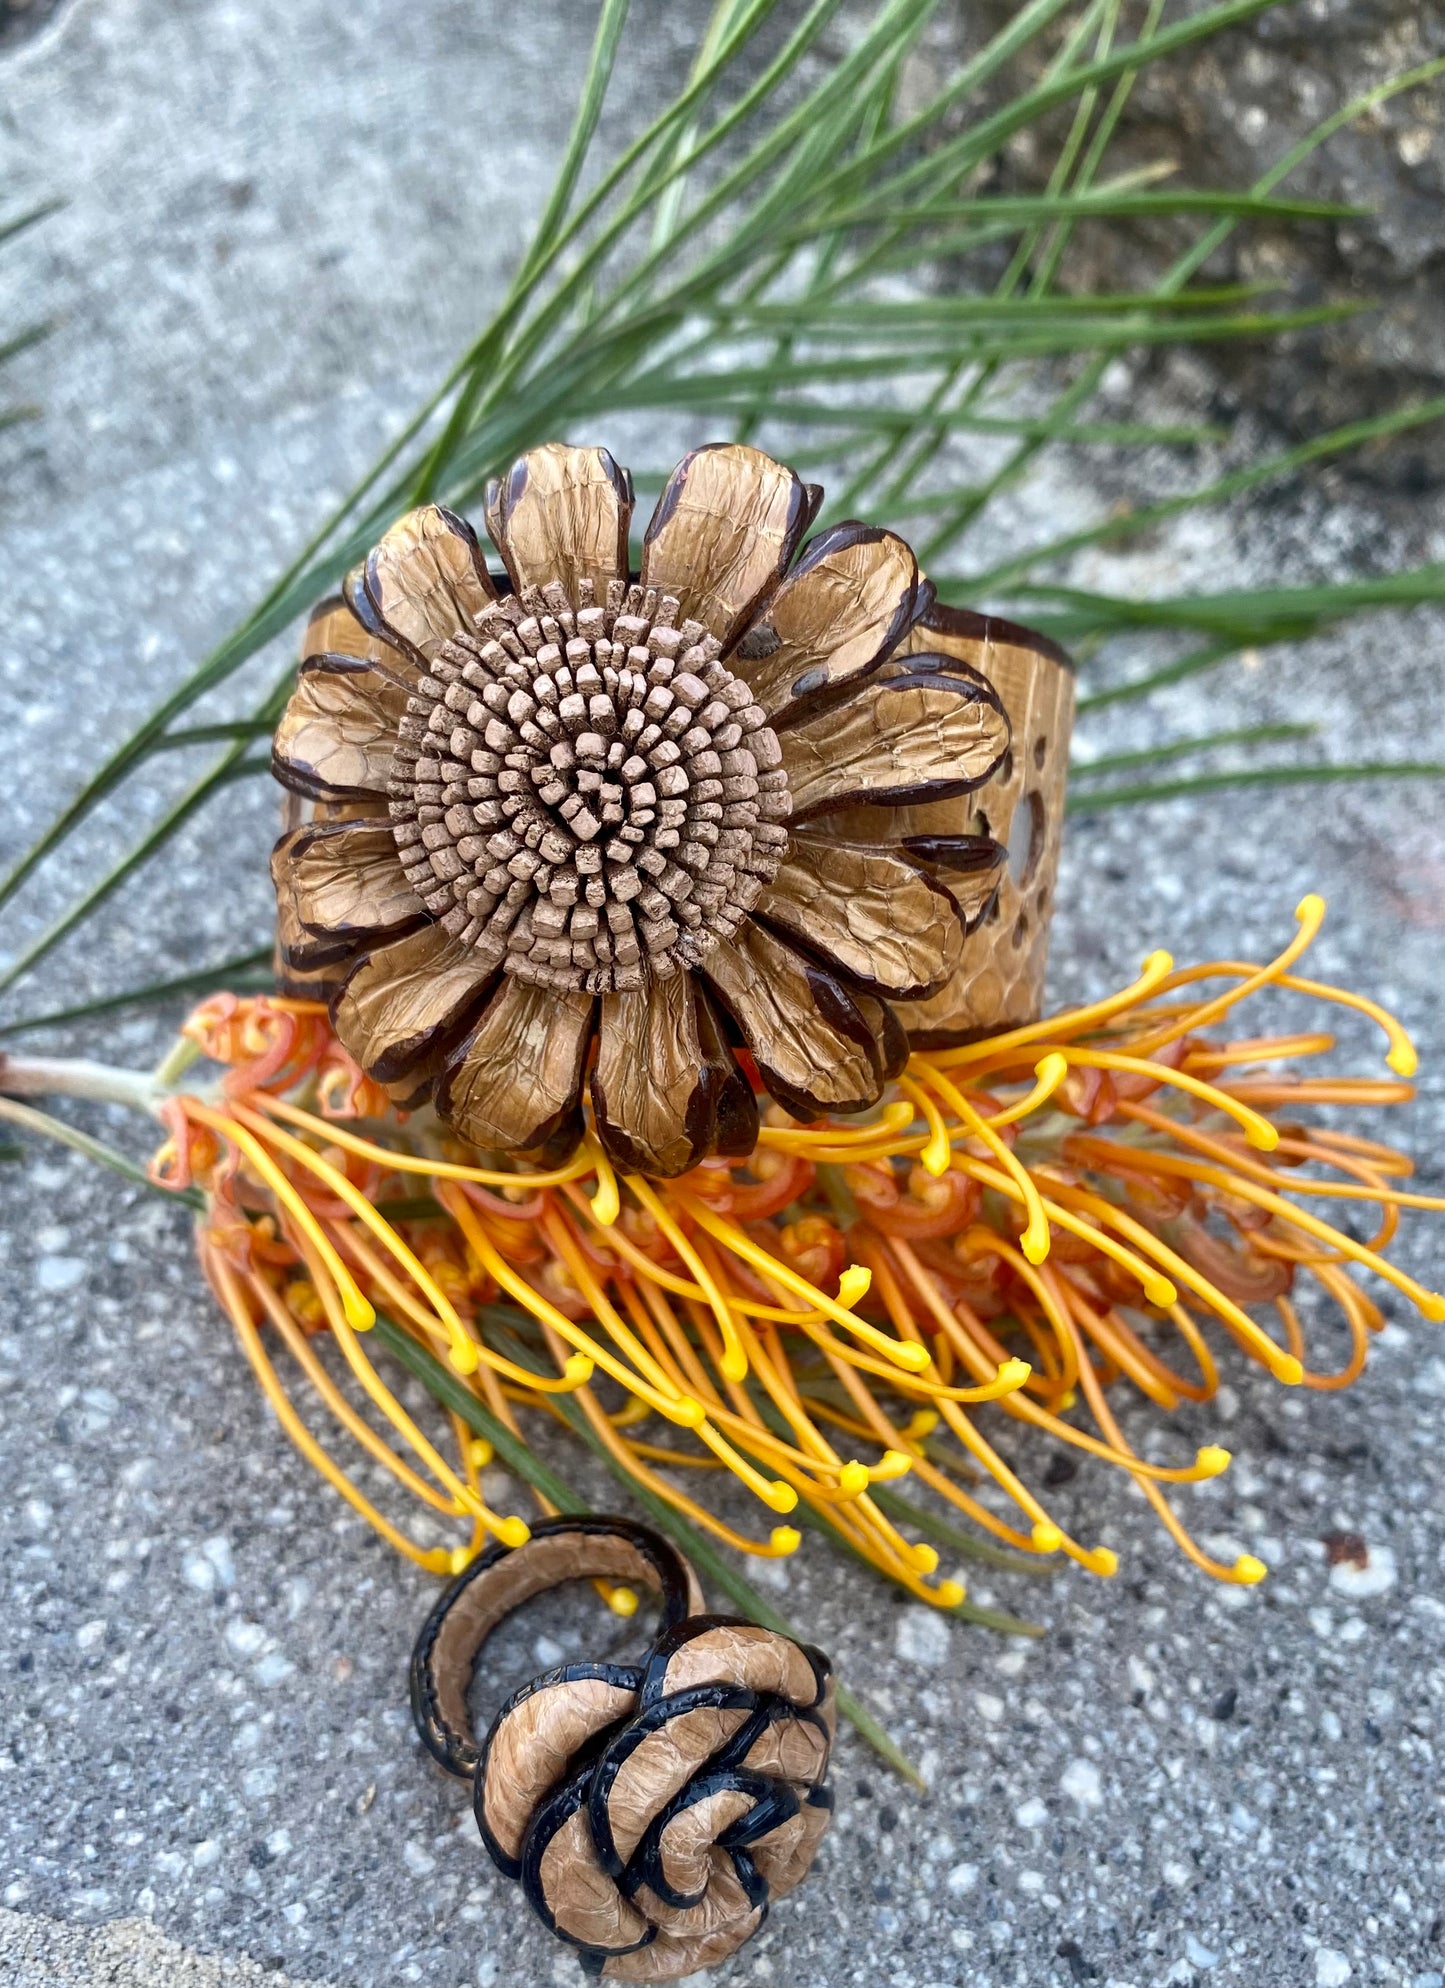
(585, 790)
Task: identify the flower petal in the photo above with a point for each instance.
(842, 608)
(874, 916)
(406, 1003)
(983, 640)
(785, 1855)
(427, 580)
(562, 514)
(969, 867)
(724, 529)
(919, 736)
(735, 1131)
(891, 1036)
(318, 983)
(514, 1085)
(812, 1045)
(657, 1080)
(333, 630)
(337, 736)
(338, 884)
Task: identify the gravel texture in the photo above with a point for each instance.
(282, 220)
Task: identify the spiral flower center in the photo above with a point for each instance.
(586, 791)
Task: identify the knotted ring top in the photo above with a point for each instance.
(651, 1810)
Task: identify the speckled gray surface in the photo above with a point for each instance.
(281, 222)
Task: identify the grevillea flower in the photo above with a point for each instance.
(569, 805)
(1110, 1200)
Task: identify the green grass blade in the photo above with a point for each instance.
(870, 1728)
(763, 383)
(678, 156)
(904, 315)
(898, 421)
(610, 22)
(1071, 174)
(309, 574)
(995, 1619)
(281, 606)
(908, 456)
(1027, 24)
(574, 331)
(441, 1382)
(175, 817)
(1092, 204)
(984, 137)
(233, 765)
(234, 728)
(611, 19)
(19, 222)
(527, 339)
(23, 340)
(1179, 274)
(968, 1545)
(1194, 664)
(1348, 113)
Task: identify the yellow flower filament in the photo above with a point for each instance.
(404, 1162)
(224, 1281)
(1155, 970)
(937, 1152)
(512, 1531)
(675, 1405)
(1257, 1130)
(1309, 916)
(358, 1312)
(893, 1119)
(670, 1279)
(733, 1238)
(622, 1245)
(1036, 1231)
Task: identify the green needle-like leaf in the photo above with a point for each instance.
(238, 975)
(1092, 800)
(1091, 769)
(28, 1119)
(723, 264)
(440, 1381)
(19, 222)
(1244, 616)
(968, 1545)
(1353, 436)
(1095, 203)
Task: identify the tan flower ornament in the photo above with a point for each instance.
(571, 807)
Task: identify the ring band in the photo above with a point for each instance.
(651, 1811)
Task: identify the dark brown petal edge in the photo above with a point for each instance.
(967, 625)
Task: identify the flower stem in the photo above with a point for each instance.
(77, 1077)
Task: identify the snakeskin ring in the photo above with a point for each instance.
(651, 1811)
